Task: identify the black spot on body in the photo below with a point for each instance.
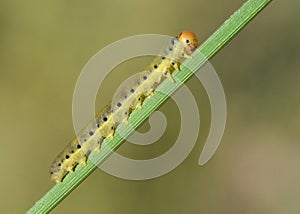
(59, 164)
(119, 104)
(144, 77)
(155, 66)
(98, 125)
(163, 57)
(67, 156)
(104, 119)
(170, 49)
(132, 90)
(91, 133)
(78, 146)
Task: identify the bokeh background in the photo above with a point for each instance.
(45, 44)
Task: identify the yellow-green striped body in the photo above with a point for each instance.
(127, 100)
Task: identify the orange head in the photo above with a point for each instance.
(189, 40)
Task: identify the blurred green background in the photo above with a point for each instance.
(45, 44)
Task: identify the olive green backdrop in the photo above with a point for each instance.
(45, 44)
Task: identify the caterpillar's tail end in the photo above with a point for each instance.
(57, 173)
(56, 178)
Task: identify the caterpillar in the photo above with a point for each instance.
(128, 99)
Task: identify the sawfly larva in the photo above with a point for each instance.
(128, 99)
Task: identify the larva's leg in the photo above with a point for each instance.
(168, 73)
(169, 76)
(129, 112)
(141, 99)
(83, 161)
(58, 181)
(126, 121)
(176, 66)
(107, 130)
(149, 93)
(97, 149)
(111, 136)
(71, 167)
(112, 132)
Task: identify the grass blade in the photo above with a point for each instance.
(208, 49)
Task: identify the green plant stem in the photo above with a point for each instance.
(209, 48)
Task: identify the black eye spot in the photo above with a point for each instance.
(139, 99)
(91, 133)
(173, 63)
(187, 41)
(155, 66)
(98, 125)
(144, 77)
(112, 128)
(132, 90)
(67, 156)
(105, 119)
(119, 104)
(78, 146)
